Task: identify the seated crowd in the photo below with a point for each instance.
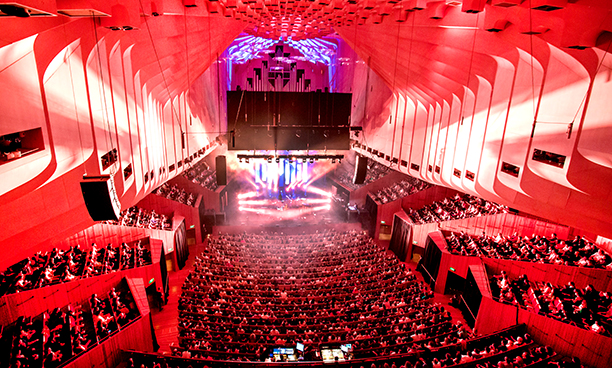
(139, 217)
(176, 194)
(508, 348)
(456, 208)
(249, 293)
(203, 175)
(112, 311)
(400, 190)
(344, 174)
(58, 266)
(585, 307)
(53, 338)
(576, 252)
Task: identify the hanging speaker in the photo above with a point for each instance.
(361, 170)
(220, 167)
(100, 197)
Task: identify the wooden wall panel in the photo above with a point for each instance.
(137, 336)
(494, 316)
(34, 302)
(555, 274)
(593, 349)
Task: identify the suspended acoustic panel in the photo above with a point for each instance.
(28, 8)
(84, 8)
(288, 120)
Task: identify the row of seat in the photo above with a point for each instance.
(55, 337)
(456, 208)
(203, 175)
(400, 190)
(249, 292)
(585, 307)
(59, 265)
(345, 172)
(139, 217)
(174, 193)
(508, 348)
(571, 252)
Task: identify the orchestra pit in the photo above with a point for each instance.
(305, 183)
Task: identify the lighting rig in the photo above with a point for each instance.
(304, 158)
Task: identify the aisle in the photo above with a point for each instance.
(165, 322)
(442, 299)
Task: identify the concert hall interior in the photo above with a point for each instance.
(261, 183)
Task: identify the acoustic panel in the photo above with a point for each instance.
(288, 120)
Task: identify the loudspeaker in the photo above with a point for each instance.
(100, 197)
(361, 170)
(220, 219)
(220, 167)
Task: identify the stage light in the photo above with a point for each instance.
(311, 160)
(246, 160)
(277, 160)
(269, 160)
(333, 160)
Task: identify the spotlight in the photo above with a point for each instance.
(333, 160)
(277, 160)
(246, 160)
(311, 160)
(270, 159)
(304, 160)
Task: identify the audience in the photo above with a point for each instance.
(139, 217)
(584, 308)
(252, 292)
(54, 337)
(203, 175)
(176, 194)
(577, 252)
(456, 208)
(344, 173)
(58, 266)
(399, 190)
(507, 348)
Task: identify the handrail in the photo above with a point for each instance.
(468, 308)
(433, 278)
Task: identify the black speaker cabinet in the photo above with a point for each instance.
(100, 197)
(221, 168)
(220, 219)
(361, 170)
(353, 216)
